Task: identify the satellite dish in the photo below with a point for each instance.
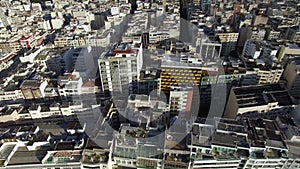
(169, 137)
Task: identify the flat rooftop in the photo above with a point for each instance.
(24, 156)
(32, 84)
(230, 140)
(262, 95)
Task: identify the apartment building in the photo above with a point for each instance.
(120, 68)
(260, 98)
(176, 73)
(228, 41)
(180, 99)
(70, 84)
(33, 89)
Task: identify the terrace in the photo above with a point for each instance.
(62, 157)
(223, 152)
(94, 156)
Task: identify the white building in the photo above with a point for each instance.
(70, 85)
(42, 111)
(11, 95)
(180, 99)
(209, 50)
(120, 67)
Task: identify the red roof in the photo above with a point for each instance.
(72, 77)
(25, 38)
(89, 84)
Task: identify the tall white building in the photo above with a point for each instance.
(120, 67)
(209, 51)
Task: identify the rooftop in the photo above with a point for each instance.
(229, 140)
(24, 156)
(32, 84)
(67, 156)
(261, 95)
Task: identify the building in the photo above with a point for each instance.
(261, 63)
(260, 98)
(33, 89)
(70, 85)
(259, 20)
(9, 114)
(228, 41)
(95, 157)
(120, 68)
(292, 76)
(6, 60)
(11, 45)
(251, 49)
(260, 73)
(11, 93)
(44, 111)
(181, 99)
(258, 33)
(247, 143)
(82, 59)
(89, 87)
(209, 50)
(272, 34)
(245, 33)
(291, 50)
(176, 73)
(28, 41)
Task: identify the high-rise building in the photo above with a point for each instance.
(185, 32)
(245, 33)
(120, 67)
(292, 77)
(209, 50)
(249, 49)
(175, 73)
(99, 21)
(228, 41)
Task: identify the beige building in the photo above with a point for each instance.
(181, 99)
(258, 98)
(259, 20)
(267, 76)
(9, 114)
(33, 89)
(11, 45)
(283, 51)
(261, 74)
